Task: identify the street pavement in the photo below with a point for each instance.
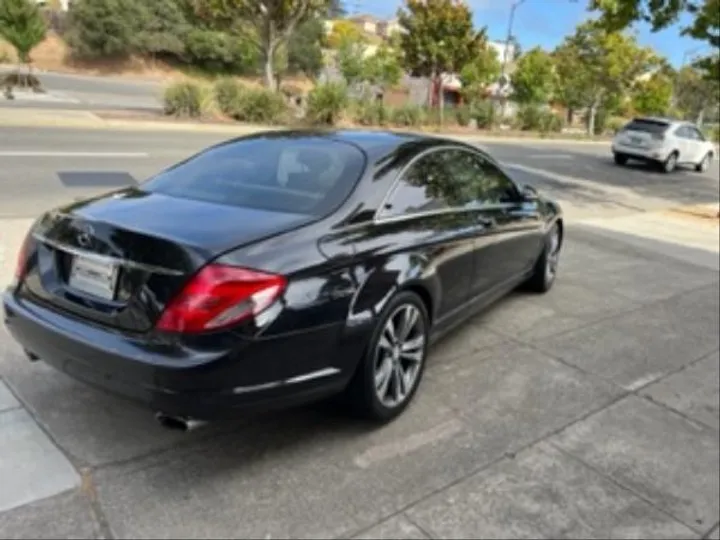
(68, 91)
(592, 411)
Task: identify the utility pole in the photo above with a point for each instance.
(508, 38)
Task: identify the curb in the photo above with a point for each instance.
(29, 117)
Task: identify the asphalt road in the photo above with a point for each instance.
(38, 169)
(92, 92)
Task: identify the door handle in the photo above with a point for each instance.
(485, 221)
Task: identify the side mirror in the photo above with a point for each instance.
(529, 193)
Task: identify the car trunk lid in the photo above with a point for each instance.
(117, 260)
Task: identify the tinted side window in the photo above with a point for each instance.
(682, 131)
(484, 182)
(449, 178)
(696, 134)
(412, 193)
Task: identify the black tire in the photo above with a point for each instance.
(621, 159)
(704, 164)
(670, 164)
(541, 281)
(361, 394)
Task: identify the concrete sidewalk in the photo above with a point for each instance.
(592, 411)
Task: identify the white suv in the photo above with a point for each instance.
(668, 143)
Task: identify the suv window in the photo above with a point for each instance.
(648, 126)
(449, 178)
(304, 175)
(695, 133)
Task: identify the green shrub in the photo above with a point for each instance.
(529, 118)
(326, 103)
(260, 106)
(408, 116)
(184, 99)
(220, 52)
(228, 94)
(616, 123)
(483, 113)
(550, 122)
(463, 115)
(371, 113)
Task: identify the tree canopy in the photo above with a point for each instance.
(533, 78)
(21, 25)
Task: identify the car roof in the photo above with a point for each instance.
(375, 143)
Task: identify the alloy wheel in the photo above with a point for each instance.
(553, 256)
(671, 163)
(399, 355)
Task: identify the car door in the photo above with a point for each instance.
(697, 144)
(684, 144)
(513, 235)
(422, 215)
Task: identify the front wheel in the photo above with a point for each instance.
(390, 372)
(670, 164)
(621, 159)
(546, 267)
(704, 165)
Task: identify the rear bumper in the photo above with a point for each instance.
(175, 380)
(645, 154)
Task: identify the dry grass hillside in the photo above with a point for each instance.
(53, 55)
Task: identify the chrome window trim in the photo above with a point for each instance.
(78, 252)
(377, 219)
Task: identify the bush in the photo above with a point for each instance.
(184, 99)
(228, 94)
(408, 116)
(529, 118)
(98, 28)
(550, 122)
(616, 123)
(259, 106)
(326, 103)
(217, 51)
(463, 115)
(371, 113)
(483, 113)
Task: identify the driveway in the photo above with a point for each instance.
(588, 412)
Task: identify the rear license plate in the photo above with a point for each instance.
(636, 140)
(93, 277)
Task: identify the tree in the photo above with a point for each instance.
(619, 14)
(534, 77)
(383, 67)
(272, 22)
(653, 96)
(343, 30)
(694, 94)
(304, 48)
(483, 70)
(104, 28)
(438, 38)
(594, 66)
(351, 60)
(22, 26)
(163, 29)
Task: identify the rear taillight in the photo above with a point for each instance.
(21, 266)
(220, 296)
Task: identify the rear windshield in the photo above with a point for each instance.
(648, 126)
(309, 175)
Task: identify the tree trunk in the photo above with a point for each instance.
(700, 117)
(269, 70)
(441, 100)
(591, 119)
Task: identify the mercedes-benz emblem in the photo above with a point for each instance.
(84, 236)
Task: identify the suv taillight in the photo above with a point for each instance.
(220, 296)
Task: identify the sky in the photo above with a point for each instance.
(546, 22)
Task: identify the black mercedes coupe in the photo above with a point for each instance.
(278, 269)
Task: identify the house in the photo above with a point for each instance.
(388, 28)
(366, 23)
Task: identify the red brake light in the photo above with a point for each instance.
(220, 296)
(21, 266)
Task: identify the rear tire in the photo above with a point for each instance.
(670, 164)
(545, 271)
(390, 372)
(621, 159)
(704, 165)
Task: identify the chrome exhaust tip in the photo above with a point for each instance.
(178, 423)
